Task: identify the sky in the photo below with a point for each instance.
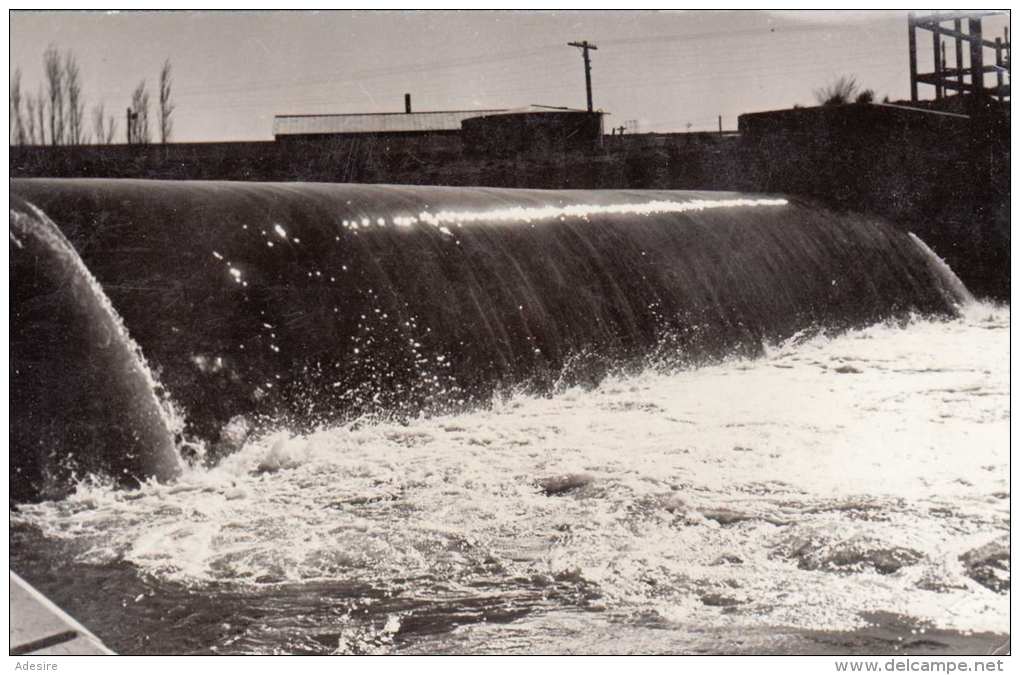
(668, 71)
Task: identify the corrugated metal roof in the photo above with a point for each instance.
(535, 108)
(373, 123)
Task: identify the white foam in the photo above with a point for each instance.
(704, 483)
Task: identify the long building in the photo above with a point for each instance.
(377, 124)
(500, 130)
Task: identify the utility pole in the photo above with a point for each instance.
(585, 46)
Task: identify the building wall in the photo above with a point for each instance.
(357, 158)
(199, 161)
(947, 180)
(541, 132)
(944, 177)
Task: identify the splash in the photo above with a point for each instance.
(314, 304)
(692, 506)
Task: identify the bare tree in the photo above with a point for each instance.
(166, 107)
(98, 122)
(30, 120)
(40, 118)
(56, 114)
(74, 125)
(54, 70)
(111, 129)
(139, 127)
(104, 126)
(17, 123)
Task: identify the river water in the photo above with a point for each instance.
(832, 487)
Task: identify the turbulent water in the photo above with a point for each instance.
(837, 485)
(317, 303)
(421, 419)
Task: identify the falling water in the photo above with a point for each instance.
(450, 420)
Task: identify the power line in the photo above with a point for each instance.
(372, 73)
(464, 62)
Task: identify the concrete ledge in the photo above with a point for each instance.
(39, 627)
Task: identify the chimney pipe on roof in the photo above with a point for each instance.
(407, 103)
